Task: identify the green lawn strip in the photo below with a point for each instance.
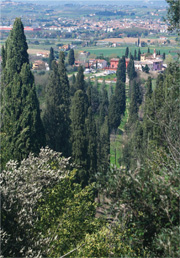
(116, 141)
(120, 51)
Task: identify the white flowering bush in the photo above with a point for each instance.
(45, 212)
(22, 188)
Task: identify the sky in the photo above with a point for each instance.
(124, 2)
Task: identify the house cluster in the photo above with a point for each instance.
(106, 26)
(154, 62)
(93, 64)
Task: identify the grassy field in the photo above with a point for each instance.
(120, 51)
(117, 140)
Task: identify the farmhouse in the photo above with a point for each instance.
(39, 65)
(114, 63)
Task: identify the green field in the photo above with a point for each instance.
(120, 51)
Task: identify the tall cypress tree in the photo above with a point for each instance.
(149, 87)
(127, 52)
(78, 135)
(133, 108)
(22, 129)
(91, 144)
(135, 54)
(121, 70)
(117, 105)
(103, 107)
(51, 57)
(139, 54)
(3, 54)
(80, 83)
(71, 58)
(103, 146)
(57, 112)
(131, 70)
(52, 117)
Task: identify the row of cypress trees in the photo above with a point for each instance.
(68, 123)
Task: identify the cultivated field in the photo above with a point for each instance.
(133, 40)
(35, 51)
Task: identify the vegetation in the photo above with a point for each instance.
(79, 205)
(22, 131)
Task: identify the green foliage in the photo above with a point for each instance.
(135, 54)
(80, 83)
(22, 189)
(44, 212)
(108, 241)
(16, 50)
(127, 52)
(117, 105)
(71, 58)
(103, 149)
(51, 57)
(131, 70)
(139, 54)
(67, 215)
(78, 133)
(149, 88)
(104, 104)
(145, 68)
(173, 15)
(121, 70)
(22, 129)
(57, 110)
(135, 101)
(147, 202)
(3, 54)
(92, 143)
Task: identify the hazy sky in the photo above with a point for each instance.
(93, 2)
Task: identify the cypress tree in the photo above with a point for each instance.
(131, 70)
(121, 70)
(95, 100)
(22, 129)
(89, 95)
(117, 105)
(91, 144)
(131, 56)
(57, 113)
(139, 54)
(127, 52)
(80, 83)
(3, 54)
(103, 147)
(72, 85)
(51, 57)
(52, 117)
(149, 87)
(135, 54)
(78, 135)
(133, 108)
(110, 91)
(104, 103)
(71, 58)
(148, 50)
(73, 79)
